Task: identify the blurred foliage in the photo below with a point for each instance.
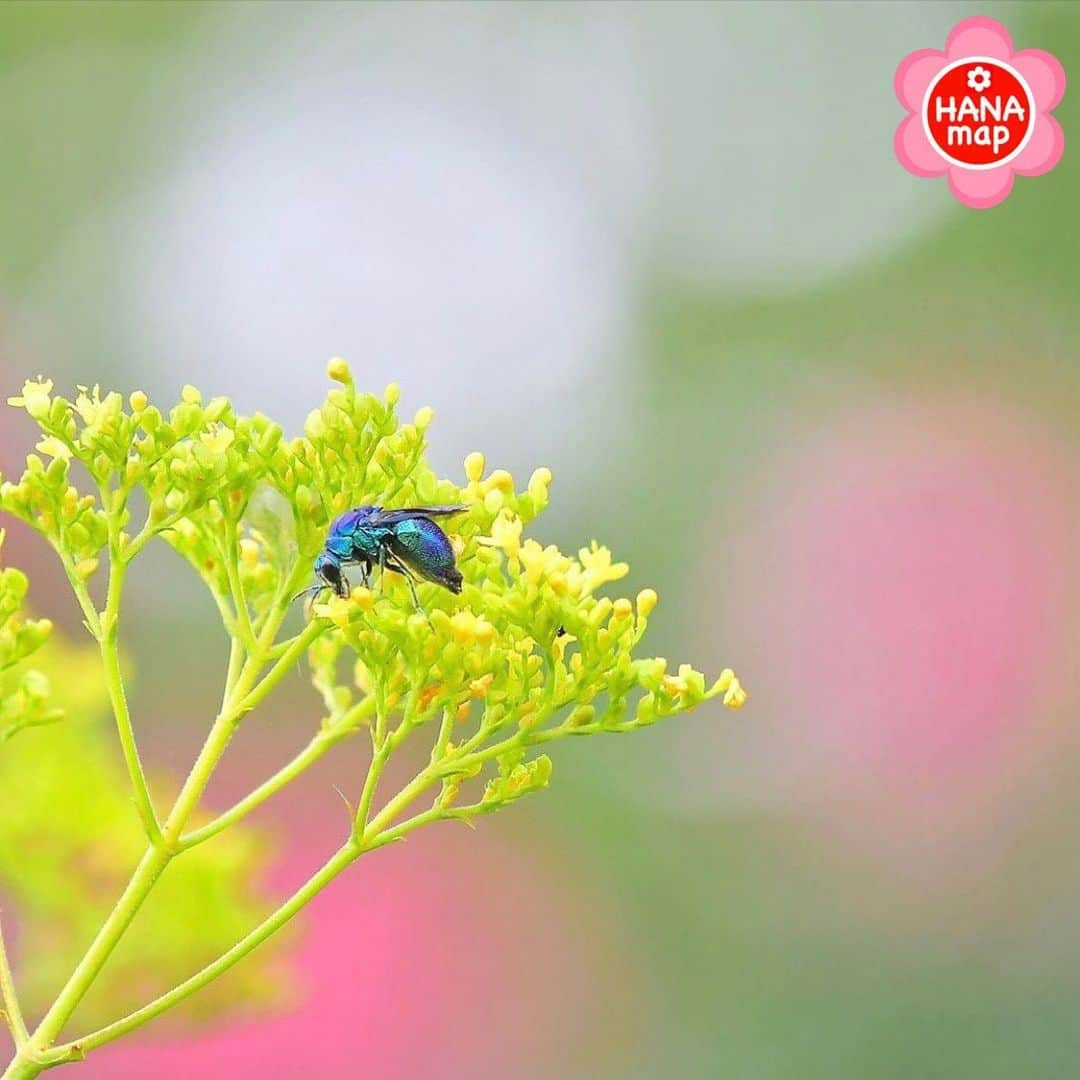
(24, 694)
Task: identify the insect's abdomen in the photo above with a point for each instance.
(424, 547)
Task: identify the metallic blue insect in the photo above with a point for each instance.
(406, 541)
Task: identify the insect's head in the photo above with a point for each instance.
(328, 572)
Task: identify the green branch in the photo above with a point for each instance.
(109, 628)
(315, 749)
(9, 999)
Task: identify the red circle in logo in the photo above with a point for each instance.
(978, 113)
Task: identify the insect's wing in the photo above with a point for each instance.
(424, 548)
(392, 517)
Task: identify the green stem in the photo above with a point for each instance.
(142, 881)
(114, 681)
(23, 1067)
(243, 617)
(82, 594)
(297, 647)
(371, 781)
(443, 738)
(10, 1000)
(307, 757)
(232, 673)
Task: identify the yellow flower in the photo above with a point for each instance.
(505, 533)
(598, 567)
(218, 442)
(674, 684)
(36, 397)
(54, 447)
(735, 696)
(362, 597)
(336, 609)
(558, 646)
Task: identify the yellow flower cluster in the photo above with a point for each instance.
(530, 644)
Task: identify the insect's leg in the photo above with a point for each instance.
(343, 587)
(406, 573)
(382, 569)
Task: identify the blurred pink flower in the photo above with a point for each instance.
(903, 588)
(984, 39)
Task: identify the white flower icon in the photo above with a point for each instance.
(978, 78)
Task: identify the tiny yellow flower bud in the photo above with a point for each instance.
(314, 425)
(502, 480)
(474, 466)
(539, 482)
(646, 601)
(735, 697)
(462, 625)
(249, 552)
(622, 608)
(528, 718)
(86, 568)
(582, 715)
(363, 598)
(424, 417)
(338, 370)
(190, 395)
(479, 687)
(138, 401)
(392, 394)
(726, 678)
(493, 501)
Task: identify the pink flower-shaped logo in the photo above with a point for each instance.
(979, 112)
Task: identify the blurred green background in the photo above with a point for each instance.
(825, 410)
